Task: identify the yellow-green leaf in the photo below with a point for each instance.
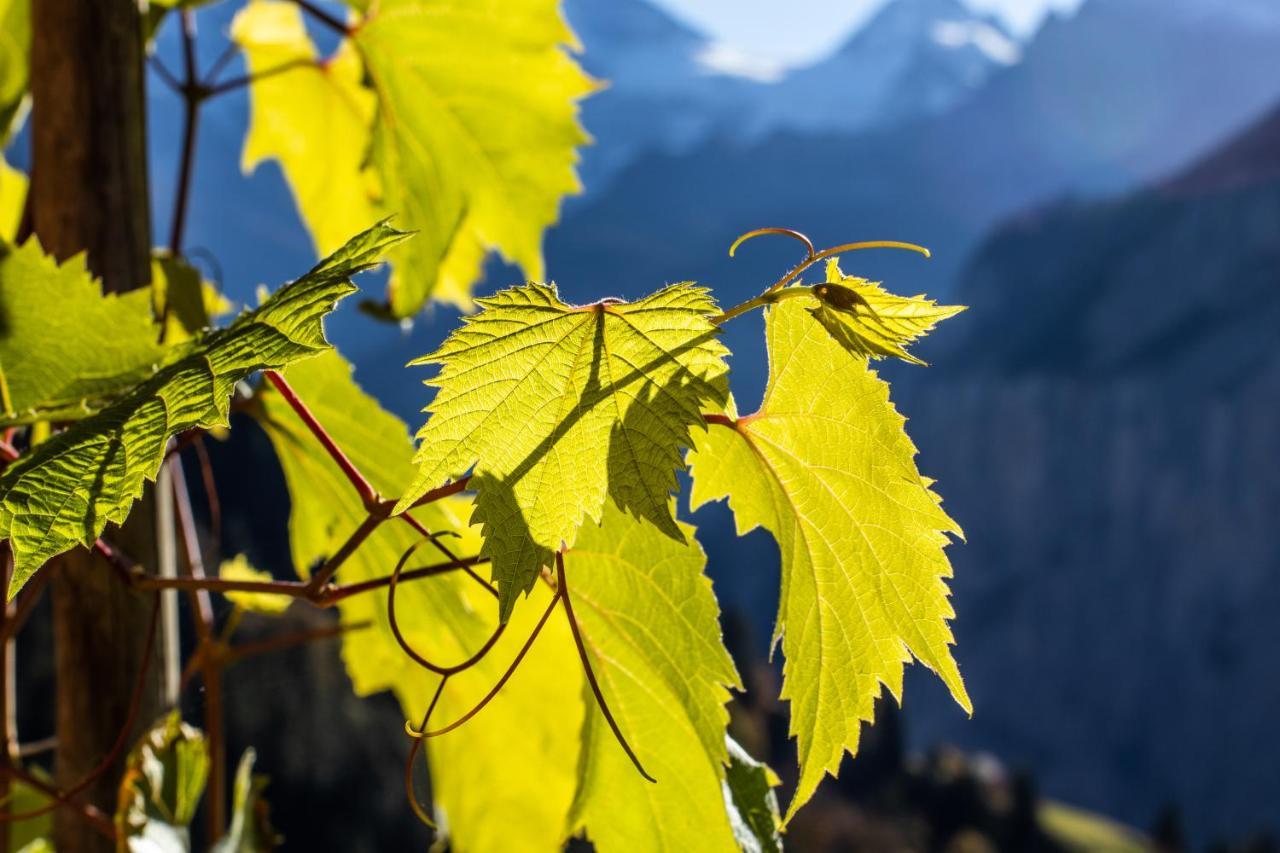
(13, 196)
(558, 407)
(66, 349)
(15, 62)
(826, 466)
(164, 777)
(32, 833)
(267, 603)
(867, 320)
(314, 118)
(650, 624)
(477, 134)
(513, 759)
(64, 492)
(183, 303)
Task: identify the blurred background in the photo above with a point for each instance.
(1100, 182)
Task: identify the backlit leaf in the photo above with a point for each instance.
(239, 569)
(476, 137)
(314, 118)
(867, 320)
(13, 195)
(65, 491)
(15, 62)
(164, 777)
(650, 623)
(66, 349)
(558, 407)
(826, 466)
(514, 758)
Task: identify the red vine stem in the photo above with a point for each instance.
(497, 688)
(241, 651)
(211, 671)
(563, 586)
(366, 492)
(418, 810)
(412, 652)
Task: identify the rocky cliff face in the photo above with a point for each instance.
(1107, 430)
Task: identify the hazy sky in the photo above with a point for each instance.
(794, 31)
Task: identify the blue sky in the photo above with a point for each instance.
(796, 31)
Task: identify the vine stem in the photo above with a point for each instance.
(775, 291)
(563, 591)
(413, 654)
(366, 491)
(211, 672)
(191, 98)
(324, 17)
(769, 297)
(244, 80)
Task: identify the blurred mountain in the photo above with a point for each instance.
(1118, 94)
(661, 95)
(1106, 430)
(915, 58)
(672, 88)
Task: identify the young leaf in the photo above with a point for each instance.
(66, 348)
(826, 467)
(650, 624)
(481, 769)
(748, 789)
(314, 118)
(164, 777)
(558, 406)
(867, 320)
(476, 136)
(250, 830)
(65, 491)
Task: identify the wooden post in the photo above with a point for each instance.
(89, 194)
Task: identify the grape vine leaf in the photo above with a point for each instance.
(66, 348)
(867, 320)
(826, 466)
(476, 137)
(238, 568)
(519, 756)
(650, 623)
(65, 491)
(314, 118)
(182, 302)
(15, 63)
(481, 769)
(28, 834)
(250, 830)
(452, 136)
(748, 786)
(13, 195)
(164, 777)
(558, 407)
